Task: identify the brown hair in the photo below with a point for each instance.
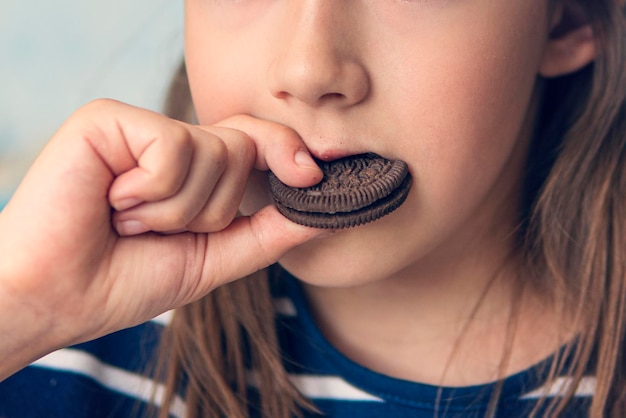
(577, 224)
(574, 239)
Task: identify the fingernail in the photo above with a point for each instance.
(126, 203)
(303, 159)
(131, 227)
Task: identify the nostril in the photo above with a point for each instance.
(327, 98)
(281, 95)
(328, 80)
(332, 97)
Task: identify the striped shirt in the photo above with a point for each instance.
(106, 378)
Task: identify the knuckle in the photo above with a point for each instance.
(178, 137)
(244, 147)
(98, 104)
(164, 185)
(217, 153)
(103, 106)
(174, 220)
(218, 218)
(283, 134)
(178, 151)
(96, 107)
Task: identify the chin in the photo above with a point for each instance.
(360, 255)
(321, 277)
(327, 263)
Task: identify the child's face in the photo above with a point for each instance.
(446, 85)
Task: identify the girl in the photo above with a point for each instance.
(497, 289)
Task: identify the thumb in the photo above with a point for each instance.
(163, 272)
(249, 244)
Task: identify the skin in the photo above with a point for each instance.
(73, 272)
(468, 80)
(126, 214)
(459, 110)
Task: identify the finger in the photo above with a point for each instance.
(279, 149)
(210, 196)
(168, 271)
(149, 154)
(160, 170)
(208, 163)
(223, 204)
(248, 245)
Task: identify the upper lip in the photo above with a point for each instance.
(331, 154)
(342, 142)
(334, 153)
(329, 149)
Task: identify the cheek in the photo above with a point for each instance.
(466, 127)
(219, 67)
(469, 92)
(216, 91)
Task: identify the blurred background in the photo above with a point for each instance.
(58, 55)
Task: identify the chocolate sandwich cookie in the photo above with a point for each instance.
(355, 190)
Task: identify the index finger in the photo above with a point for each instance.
(279, 149)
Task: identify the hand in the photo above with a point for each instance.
(76, 263)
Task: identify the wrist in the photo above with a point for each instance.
(26, 333)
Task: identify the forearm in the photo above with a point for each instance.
(25, 334)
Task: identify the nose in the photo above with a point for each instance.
(318, 61)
